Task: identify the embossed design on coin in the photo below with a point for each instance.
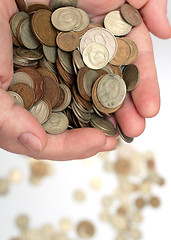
(131, 14)
(111, 91)
(102, 36)
(116, 24)
(22, 77)
(58, 123)
(17, 98)
(96, 55)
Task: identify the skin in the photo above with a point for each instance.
(143, 102)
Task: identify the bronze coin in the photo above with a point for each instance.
(51, 90)
(22, 5)
(25, 92)
(80, 100)
(80, 83)
(131, 14)
(33, 7)
(42, 27)
(155, 202)
(37, 80)
(122, 54)
(140, 203)
(134, 50)
(61, 98)
(67, 41)
(44, 72)
(131, 76)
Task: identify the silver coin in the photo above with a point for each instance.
(116, 24)
(95, 56)
(15, 21)
(65, 59)
(100, 35)
(85, 21)
(27, 37)
(103, 124)
(123, 136)
(30, 54)
(41, 111)
(54, 4)
(78, 59)
(58, 123)
(50, 53)
(22, 77)
(111, 91)
(88, 80)
(17, 98)
(66, 18)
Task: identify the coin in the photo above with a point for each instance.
(131, 14)
(27, 37)
(103, 124)
(39, 169)
(22, 77)
(134, 51)
(16, 18)
(38, 83)
(155, 202)
(4, 186)
(15, 176)
(140, 203)
(22, 221)
(33, 7)
(78, 59)
(84, 23)
(17, 98)
(50, 53)
(41, 111)
(65, 59)
(25, 92)
(131, 76)
(30, 54)
(116, 24)
(68, 41)
(58, 123)
(42, 27)
(60, 3)
(100, 35)
(66, 19)
(123, 136)
(80, 100)
(123, 52)
(122, 167)
(85, 229)
(111, 91)
(95, 56)
(79, 195)
(44, 72)
(22, 5)
(65, 225)
(66, 101)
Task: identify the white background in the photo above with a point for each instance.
(53, 200)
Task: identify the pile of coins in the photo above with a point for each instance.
(70, 72)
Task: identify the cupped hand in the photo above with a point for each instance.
(21, 133)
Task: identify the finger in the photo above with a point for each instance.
(146, 96)
(130, 121)
(155, 17)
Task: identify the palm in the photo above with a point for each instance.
(144, 101)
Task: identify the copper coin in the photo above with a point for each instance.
(80, 83)
(43, 29)
(134, 50)
(155, 202)
(33, 7)
(25, 92)
(37, 80)
(140, 203)
(68, 41)
(123, 52)
(22, 5)
(131, 76)
(61, 98)
(80, 100)
(51, 91)
(131, 14)
(44, 72)
(85, 229)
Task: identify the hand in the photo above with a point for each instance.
(22, 134)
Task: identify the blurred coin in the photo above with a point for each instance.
(22, 5)
(22, 221)
(25, 92)
(135, 234)
(66, 18)
(131, 14)
(68, 41)
(96, 183)
(95, 55)
(39, 169)
(27, 37)
(79, 195)
(65, 224)
(58, 123)
(41, 111)
(140, 203)
(4, 186)
(43, 29)
(122, 167)
(119, 222)
(33, 7)
(85, 229)
(116, 24)
(15, 176)
(60, 3)
(17, 98)
(155, 202)
(100, 35)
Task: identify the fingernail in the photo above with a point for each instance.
(31, 142)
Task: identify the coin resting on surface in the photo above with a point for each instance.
(85, 229)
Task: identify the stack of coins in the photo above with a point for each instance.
(69, 72)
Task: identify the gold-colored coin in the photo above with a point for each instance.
(68, 41)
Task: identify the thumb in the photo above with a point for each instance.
(155, 17)
(19, 128)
